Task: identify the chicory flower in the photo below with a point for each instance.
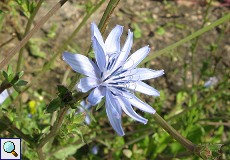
(115, 76)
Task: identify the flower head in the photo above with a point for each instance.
(115, 76)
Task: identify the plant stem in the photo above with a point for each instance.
(194, 45)
(28, 26)
(107, 14)
(52, 133)
(188, 38)
(102, 26)
(55, 127)
(22, 43)
(176, 135)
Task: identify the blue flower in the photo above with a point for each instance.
(115, 76)
(3, 96)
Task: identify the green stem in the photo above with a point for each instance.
(28, 26)
(102, 25)
(176, 135)
(194, 45)
(22, 43)
(54, 128)
(107, 14)
(188, 38)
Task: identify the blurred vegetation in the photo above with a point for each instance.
(199, 112)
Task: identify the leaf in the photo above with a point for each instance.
(21, 83)
(20, 74)
(54, 105)
(62, 89)
(160, 31)
(137, 31)
(5, 75)
(64, 94)
(10, 70)
(67, 151)
(100, 104)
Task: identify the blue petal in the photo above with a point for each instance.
(96, 95)
(81, 64)
(124, 51)
(99, 54)
(143, 88)
(112, 43)
(96, 33)
(136, 58)
(138, 103)
(128, 109)
(114, 113)
(87, 83)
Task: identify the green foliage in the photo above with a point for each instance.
(27, 6)
(136, 30)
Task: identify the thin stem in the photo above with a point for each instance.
(28, 26)
(194, 45)
(22, 43)
(188, 38)
(55, 127)
(176, 135)
(107, 14)
(102, 26)
(105, 18)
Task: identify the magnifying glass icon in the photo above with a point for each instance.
(9, 147)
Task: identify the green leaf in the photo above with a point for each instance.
(67, 151)
(137, 31)
(54, 105)
(21, 83)
(100, 104)
(62, 89)
(20, 74)
(160, 31)
(5, 75)
(10, 70)
(64, 94)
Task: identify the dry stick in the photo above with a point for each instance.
(22, 43)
